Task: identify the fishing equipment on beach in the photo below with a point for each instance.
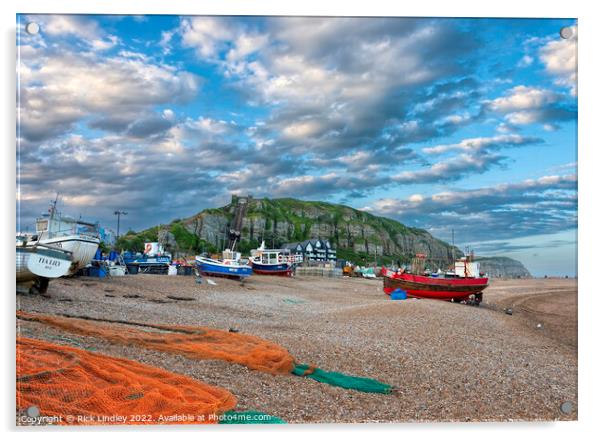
(205, 343)
(191, 342)
(364, 384)
(79, 387)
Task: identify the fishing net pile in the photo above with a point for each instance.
(128, 386)
(192, 342)
(79, 387)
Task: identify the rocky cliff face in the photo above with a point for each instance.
(356, 234)
(503, 267)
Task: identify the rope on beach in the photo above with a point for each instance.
(79, 387)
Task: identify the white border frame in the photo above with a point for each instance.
(589, 184)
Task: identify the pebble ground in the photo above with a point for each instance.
(448, 362)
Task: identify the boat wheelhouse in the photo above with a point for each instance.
(76, 236)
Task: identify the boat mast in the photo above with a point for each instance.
(52, 213)
(53, 205)
(453, 248)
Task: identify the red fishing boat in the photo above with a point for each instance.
(465, 283)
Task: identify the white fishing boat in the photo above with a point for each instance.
(271, 261)
(37, 264)
(78, 237)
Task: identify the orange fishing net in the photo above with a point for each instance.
(189, 341)
(79, 387)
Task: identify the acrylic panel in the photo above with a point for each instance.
(279, 219)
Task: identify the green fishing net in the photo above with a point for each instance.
(363, 384)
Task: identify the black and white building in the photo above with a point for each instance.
(313, 250)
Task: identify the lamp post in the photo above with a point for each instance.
(119, 214)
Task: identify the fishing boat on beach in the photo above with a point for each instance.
(463, 284)
(78, 237)
(37, 264)
(154, 260)
(271, 261)
(229, 266)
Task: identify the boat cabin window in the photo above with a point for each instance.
(85, 229)
(42, 225)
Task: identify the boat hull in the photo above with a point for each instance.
(281, 269)
(219, 269)
(34, 263)
(446, 289)
(82, 249)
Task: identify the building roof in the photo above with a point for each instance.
(304, 243)
(290, 246)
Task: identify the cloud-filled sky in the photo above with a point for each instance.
(464, 124)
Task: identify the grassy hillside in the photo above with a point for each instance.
(351, 231)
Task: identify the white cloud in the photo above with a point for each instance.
(450, 170)
(137, 55)
(206, 34)
(524, 105)
(105, 43)
(165, 42)
(522, 118)
(302, 129)
(326, 80)
(457, 119)
(505, 128)
(84, 28)
(524, 98)
(533, 206)
(210, 126)
(76, 25)
(560, 59)
(525, 61)
(61, 88)
(246, 44)
(169, 114)
(475, 145)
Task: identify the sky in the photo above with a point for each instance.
(443, 124)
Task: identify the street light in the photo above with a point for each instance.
(119, 214)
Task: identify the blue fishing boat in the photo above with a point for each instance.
(154, 260)
(271, 261)
(226, 267)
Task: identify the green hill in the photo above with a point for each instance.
(357, 235)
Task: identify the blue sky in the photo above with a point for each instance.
(464, 124)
